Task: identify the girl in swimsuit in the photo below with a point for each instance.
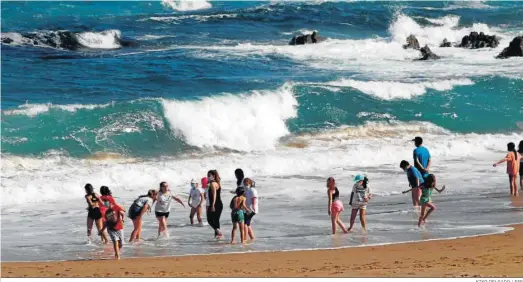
(238, 211)
(425, 200)
(513, 161)
(335, 206)
(94, 215)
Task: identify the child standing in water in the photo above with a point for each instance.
(239, 209)
(335, 205)
(359, 198)
(195, 202)
(425, 200)
(513, 162)
(114, 218)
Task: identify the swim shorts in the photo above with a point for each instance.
(116, 235)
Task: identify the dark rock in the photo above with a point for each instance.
(481, 40)
(412, 43)
(445, 43)
(7, 40)
(426, 54)
(306, 39)
(514, 49)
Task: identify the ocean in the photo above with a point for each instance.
(130, 93)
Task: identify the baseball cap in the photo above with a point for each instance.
(358, 178)
(193, 181)
(418, 139)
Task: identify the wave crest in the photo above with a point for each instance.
(186, 5)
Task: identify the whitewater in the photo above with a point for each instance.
(128, 94)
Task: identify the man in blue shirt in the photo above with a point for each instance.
(421, 156)
(415, 181)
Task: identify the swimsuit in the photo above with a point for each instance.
(426, 193)
(237, 214)
(94, 212)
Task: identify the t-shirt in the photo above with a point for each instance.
(413, 175)
(423, 155)
(164, 203)
(250, 194)
(140, 202)
(195, 194)
(360, 193)
(114, 220)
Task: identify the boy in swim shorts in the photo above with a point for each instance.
(114, 218)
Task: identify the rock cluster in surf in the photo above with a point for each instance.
(306, 39)
(514, 49)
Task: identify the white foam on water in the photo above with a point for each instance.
(449, 20)
(254, 121)
(390, 90)
(341, 152)
(384, 59)
(108, 39)
(32, 110)
(186, 5)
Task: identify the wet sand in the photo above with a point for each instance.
(499, 255)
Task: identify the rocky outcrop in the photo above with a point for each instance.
(427, 54)
(445, 43)
(306, 39)
(412, 43)
(514, 49)
(481, 40)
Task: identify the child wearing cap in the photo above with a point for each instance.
(195, 201)
(359, 198)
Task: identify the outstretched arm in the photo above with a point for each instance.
(179, 200)
(405, 192)
(440, 190)
(503, 160)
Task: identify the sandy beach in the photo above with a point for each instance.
(499, 255)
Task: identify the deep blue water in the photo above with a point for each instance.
(238, 48)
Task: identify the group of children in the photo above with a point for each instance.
(109, 216)
(421, 183)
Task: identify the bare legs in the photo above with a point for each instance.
(363, 219)
(162, 225)
(336, 221)
(137, 231)
(90, 222)
(99, 226)
(416, 195)
(242, 232)
(117, 245)
(198, 212)
(423, 217)
(513, 179)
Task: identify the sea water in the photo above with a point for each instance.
(165, 91)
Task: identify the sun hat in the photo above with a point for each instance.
(358, 178)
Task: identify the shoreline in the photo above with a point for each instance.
(501, 255)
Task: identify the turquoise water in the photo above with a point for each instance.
(127, 94)
(237, 48)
